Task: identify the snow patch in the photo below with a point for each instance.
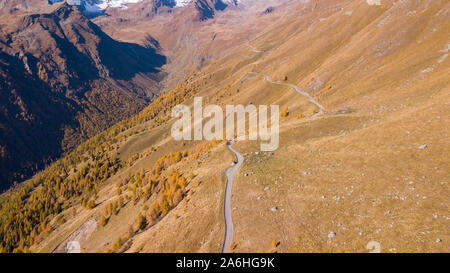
(374, 2)
(98, 6)
(182, 3)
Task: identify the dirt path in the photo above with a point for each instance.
(311, 99)
(231, 172)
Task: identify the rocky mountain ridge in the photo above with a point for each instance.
(63, 80)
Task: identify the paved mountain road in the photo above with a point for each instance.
(308, 96)
(231, 172)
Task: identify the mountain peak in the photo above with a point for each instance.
(90, 7)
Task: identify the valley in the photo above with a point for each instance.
(363, 92)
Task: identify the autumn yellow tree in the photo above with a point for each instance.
(141, 222)
(102, 222)
(285, 113)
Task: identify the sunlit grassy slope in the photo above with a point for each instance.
(340, 179)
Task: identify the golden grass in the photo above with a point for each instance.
(354, 172)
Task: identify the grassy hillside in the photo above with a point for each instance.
(371, 167)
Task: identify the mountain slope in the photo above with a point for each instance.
(67, 57)
(372, 168)
(188, 42)
(31, 119)
(204, 8)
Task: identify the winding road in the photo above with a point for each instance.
(311, 99)
(231, 172)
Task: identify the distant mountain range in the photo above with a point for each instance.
(205, 7)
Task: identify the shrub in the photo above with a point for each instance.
(60, 219)
(165, 207)
(191, 176)
(116, 207)
(141, 221)
(130, 232)
(153, 212)
(285, 113)
(102, 222)
(178, 196)
(118, 243)
(90, 204)
(232, 246)
(275, 243)
(109, 209)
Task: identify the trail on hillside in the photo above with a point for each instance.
(311, 99)
(231, 172)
